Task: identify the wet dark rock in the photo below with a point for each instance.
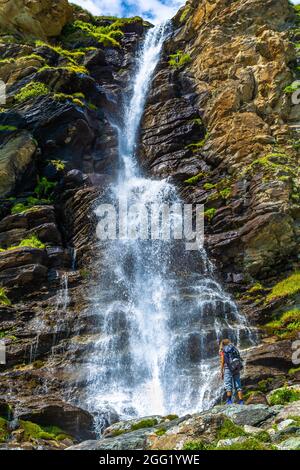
(27, 275)
(47, 233)
(48, 411)
(257, 398)
(19, 257)
(73, 179)
(261, 364)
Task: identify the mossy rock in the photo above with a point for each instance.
(4, 433)
(144, 423)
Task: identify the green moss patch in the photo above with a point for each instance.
(287, 326)
(144, 423)
(107, 36)
(3, 430)
(118, 432)
(229, 430)
(279, 164)
(284, 395)
(31, 90)
(194, 179)
(171, 417)
(264, 385)
(184, 14)
(29, 242)
(8, 128)
(210, 213)
(34, 431)
(194, 146)
(294, 371)
(7, 335)
(4, 300)
(194, 445)
(285, 288)
(31, 203)
(290, 89)
(179, 59)
(44, 187)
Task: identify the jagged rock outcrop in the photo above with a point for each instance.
(41, 19)
(230, 428)
(220, 122)
(58, 152)
(224, 120)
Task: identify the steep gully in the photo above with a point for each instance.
(159, 308)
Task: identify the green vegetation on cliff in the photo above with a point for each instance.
(81, 31)
(35, 431)
(3, 430)
(287, 325)
(284, 395)
(179, 59)
(210, 213)
(29, 242)
(4, 300)
(31, 90)
(144, 423)
(194, 179)
(285, 288)
(229, 430)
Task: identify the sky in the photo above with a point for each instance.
(153, 10)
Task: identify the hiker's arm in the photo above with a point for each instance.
(222, 364)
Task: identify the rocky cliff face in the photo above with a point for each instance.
(57, 154)
(219, 121)
(36, 18)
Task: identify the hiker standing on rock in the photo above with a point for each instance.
(231, 365)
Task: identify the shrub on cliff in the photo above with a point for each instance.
(179, 59)
(287, 325)
(284, 395)
(285, 288)
(31, 90)
(4, 300)
(108, 36)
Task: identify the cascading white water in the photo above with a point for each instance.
(160, 311)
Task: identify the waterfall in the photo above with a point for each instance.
(160, 311)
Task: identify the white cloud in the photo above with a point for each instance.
(154, 10)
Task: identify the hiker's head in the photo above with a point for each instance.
(224, 342)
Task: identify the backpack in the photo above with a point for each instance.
(233, 359)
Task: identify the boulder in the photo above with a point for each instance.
(48, 233)
(285, 424)
(24, 276)
(19, 257)
(257, 398)
(28, 219)
(252, 415)
(292, 409)
(251, 429)
(261, 364)
(133, 441)
(50, 411)
(16, 161)
(39, 18)
(229, 442)
(293, 443)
